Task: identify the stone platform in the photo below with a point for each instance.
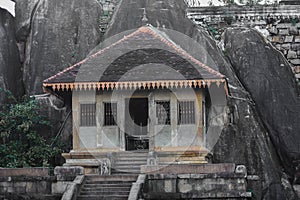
(188, 168)
(204, 181)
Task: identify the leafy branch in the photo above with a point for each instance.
(20, 144)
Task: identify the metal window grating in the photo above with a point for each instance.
(186, 112)
(88, 114)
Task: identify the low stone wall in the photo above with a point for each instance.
(65, 175)
(196, 186)
(30, 187)
(21, 181)
(188, 168)
(224, 180)
(37, 171)
(35, 183)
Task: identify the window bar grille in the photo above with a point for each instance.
(88, 114)
(186, 112)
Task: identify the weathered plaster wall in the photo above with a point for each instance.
(161, 136)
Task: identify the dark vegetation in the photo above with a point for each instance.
(20, 143)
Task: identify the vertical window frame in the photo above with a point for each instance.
(158, 105)
(110, 111)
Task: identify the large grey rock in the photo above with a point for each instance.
(58, 114)
(244, 141)
(270, 81)
(24, 14)
(168, 13)
(57, 34)
(10, 66)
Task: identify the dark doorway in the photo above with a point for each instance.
(136, 120)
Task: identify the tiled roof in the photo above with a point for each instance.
(144, 55)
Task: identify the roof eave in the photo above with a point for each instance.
(77, 86)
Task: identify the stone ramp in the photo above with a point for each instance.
(112, 187)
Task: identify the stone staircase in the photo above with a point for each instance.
(129, 162)
(112, 187)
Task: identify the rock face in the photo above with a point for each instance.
(58, 113)
(56, 34)
(244, 140)
(168, 13)
(10, 66)
(24, 14)
(268, 78)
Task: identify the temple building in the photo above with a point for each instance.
(140, 92)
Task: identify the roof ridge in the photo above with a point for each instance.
(180, 50)
(144, 29)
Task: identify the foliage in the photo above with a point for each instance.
(20, 144)
(213, 30)
(294, 21)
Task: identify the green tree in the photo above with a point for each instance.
(20, 144)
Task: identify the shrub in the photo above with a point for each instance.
(20, 144)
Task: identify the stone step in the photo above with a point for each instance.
(182, 162)
(105, 193)
(99, 183)
(130, 163)
(128, 166)
(180, 158)
(177, 154)
(129, 154)
(126, 170)
(133, 155)
(101, 188)
(107, 187)
(102, 197)
(131, 159)
(118, 178)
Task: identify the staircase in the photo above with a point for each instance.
(129, 162)
(112, 187)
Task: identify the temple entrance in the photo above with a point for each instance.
(136, 124)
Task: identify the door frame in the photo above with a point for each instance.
(126, 115)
